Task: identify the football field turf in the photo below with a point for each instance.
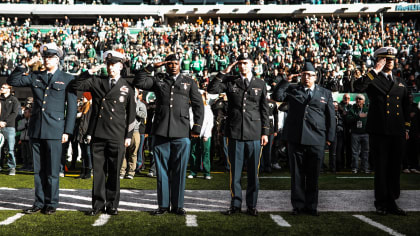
(345, 204)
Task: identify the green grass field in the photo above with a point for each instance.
(141, 223)
(210, 223)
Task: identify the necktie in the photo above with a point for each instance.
(49, 77)
(113, 82)
(309, 93)
(389, 78)
(246, 82)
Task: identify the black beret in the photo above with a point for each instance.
(172, 57)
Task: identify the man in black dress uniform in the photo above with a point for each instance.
(310, 124)
(175, 93)
(247, 127)
(110, 129)
(52, 121)
(388, 124)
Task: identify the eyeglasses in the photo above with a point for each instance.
(359, 98)
(346, 98)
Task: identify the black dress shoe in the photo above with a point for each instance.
(232, 210)
(95, 211)
(33, 209)
(313, 212)
(179, 211)
(252, 211)
(381, 211)
(296, 212)
(49, 210)
(159, 211)
(112, 211)
(398, 211)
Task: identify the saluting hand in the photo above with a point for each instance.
(32, 61)
(229, 68)
(264, 140)
(95, 69)
(159, 64)
(380, 64)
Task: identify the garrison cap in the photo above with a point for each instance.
(308, 67)
(244, 56)
(172, 57)
(388, 52)
(50, 49)
(113, 57)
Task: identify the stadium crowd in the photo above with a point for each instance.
(341, 50)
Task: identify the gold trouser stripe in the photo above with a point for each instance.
(230, 171)
(259, 161)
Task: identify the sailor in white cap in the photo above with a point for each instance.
(50, 50)
(110, 129)
(387, 124)
(53, 119)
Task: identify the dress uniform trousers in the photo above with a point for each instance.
(305, 164)
(46, 155)
(266, 154)
(238, 151)
(107, 159)
(171, 158)
(387, 151)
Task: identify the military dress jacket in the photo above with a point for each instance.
(309, 121)
(113, 110)
(247, 115)
(388, 104)
(173, 100)
(55, 104)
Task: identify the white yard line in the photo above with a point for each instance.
(272, 177)
(102, 220)
(12, 219)
(280, 221)
(378, 225)
(5, 188)
(191, 221)
(355, 177)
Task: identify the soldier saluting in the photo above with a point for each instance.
(388, 124)
(247, 127)
(175, 93)
(53, 118)
(110, 128)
